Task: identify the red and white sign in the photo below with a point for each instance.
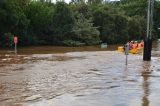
(15, 40)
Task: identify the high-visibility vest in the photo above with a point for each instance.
(142, 43)
(139, 45)
(130, 45)
(134, 46)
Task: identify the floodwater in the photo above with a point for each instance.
(79, 76)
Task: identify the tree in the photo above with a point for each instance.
(136, 28)
(80, 22)
(157, 19)
(7, 40)
(13, 19)
(134, 7)
(82, 9)
(63, 22)
(85, 32)
(112, 24)
(40, 15)
(95, 2)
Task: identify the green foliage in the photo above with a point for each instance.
(7, 40)
(138, 8)
(134, 7)
(81, 9)
(115, 31)
(40, 16)
(112, 24)
(12, 19)
(85, 32)
(157, 19)
(136, 27)
(63, 22)
(41, 22)
(73, 43)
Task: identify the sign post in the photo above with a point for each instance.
(126, 52)
(15, 43)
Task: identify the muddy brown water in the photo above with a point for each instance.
(79, 76)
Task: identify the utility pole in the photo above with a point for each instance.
(148, 39)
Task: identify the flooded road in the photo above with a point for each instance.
(85, 76)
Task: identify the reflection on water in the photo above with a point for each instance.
(158, 46)
(59, 49)
(56, 49)
(145, 74)
(94, 77)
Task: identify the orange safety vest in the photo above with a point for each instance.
(139, 45)
(142, 43)
(134, 46)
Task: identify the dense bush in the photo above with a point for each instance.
(85, 32)
(7, 40)
(42, 22)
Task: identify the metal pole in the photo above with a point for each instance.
(126, 59)
(127, 52)
(15, 48)
(148, 39)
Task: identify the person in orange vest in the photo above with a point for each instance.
(134, 45)
(142, 43)
(130, 45)
(139, 45)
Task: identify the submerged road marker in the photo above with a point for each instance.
(15, 43)
(126, 52)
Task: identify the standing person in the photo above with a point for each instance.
(130, 45)
(142, 43)
(136, 44)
